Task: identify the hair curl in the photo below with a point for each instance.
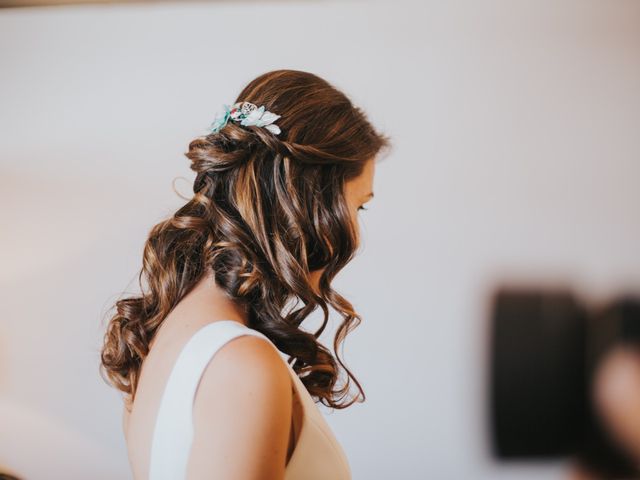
(266, 211)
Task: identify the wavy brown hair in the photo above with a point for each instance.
(266, 211)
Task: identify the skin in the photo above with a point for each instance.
(358, 192)
(250, 432)
(616, 391)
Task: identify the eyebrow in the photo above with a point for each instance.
(370, 195)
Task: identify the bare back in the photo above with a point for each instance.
(196, 310)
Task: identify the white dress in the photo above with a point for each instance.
(317, 454)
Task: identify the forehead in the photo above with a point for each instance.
(365, 180)
(363, 184)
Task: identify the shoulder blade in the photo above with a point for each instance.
(242, 413)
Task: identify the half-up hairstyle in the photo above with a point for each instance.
(266, 211)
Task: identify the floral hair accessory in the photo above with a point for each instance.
(246, 113)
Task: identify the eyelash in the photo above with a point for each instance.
(362, 208)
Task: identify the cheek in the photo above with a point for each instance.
(354, 214)
(356, 226)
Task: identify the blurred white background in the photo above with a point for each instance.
(516, 127)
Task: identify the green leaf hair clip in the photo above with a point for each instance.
(246, 113)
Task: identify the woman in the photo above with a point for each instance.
(279, 182)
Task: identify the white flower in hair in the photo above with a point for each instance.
(247, 114)
(266, 121)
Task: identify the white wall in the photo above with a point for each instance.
(516, 158)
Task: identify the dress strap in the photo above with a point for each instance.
(173, 431)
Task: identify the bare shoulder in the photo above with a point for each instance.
(248, 361)
(242, 413)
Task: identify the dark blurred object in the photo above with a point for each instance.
(545, 347)
(6, 476)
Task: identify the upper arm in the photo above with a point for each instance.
(242, 413)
